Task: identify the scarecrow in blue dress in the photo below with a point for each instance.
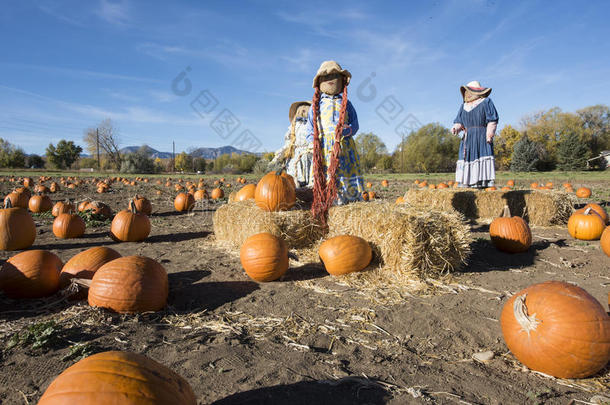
(331, 126)
(478, 119)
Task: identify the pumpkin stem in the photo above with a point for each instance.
(506, 212)
(528, 322)
(588, 211)
(132, 207)
(8, 203)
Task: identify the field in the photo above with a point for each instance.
(308, 338)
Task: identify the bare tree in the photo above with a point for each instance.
(108, 141)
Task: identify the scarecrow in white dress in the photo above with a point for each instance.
(297, 153)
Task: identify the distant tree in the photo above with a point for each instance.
(87, 163)
(137, 162)
(261, 167)
(526, 156)
(199, 164)
(268, 156)
(572, 153)
(432, 148)
(10, 155)
(64, 154)
(370, 148)
(596, 119)
(34, 162)
(247, 162)
(108, 141)
(504, 144)
(184, 162)
(384, 163)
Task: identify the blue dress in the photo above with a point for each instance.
(475, 165)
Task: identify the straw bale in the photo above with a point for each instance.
(538, 207)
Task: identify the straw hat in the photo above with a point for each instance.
(294, 106)
(328, 67)
(475, 88)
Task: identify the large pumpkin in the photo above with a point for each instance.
(62, 207)
(275, 192)
(558, 329)
(510, 234)
(246, 193)
(116, 377)
(586, 225)
(69, 226)
(18, 198)
(130, 225)
(86, 263)
(583, 192)
(345, 254)
(217, 193)
(142, 204)
(40, 203)
(264, 257)
(130, 284)
(201, 195)
(598, 209)
(17, 228)
(31, 274)
(604, 243)
(184, 202)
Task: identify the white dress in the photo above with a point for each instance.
(299, 164)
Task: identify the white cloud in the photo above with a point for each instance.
(114, 13)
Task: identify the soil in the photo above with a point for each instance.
(308, 338)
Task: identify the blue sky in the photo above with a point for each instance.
(67, 65)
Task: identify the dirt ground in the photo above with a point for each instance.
(308, 338)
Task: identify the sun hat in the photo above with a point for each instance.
(475, 88)
(329, 67)
(294, 106)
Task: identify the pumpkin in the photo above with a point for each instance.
(567, 185)
(365, 196)
(99, 208)
(370, 185)
(200, 195)
(246, 193)
(31, 274)
(416, 181)
(492, 188)
(384, 183)
(86, 263)
(400, 200)
(586, 225)
(130, 225)
(184, 202)
(345, 254)
(598, 209)
(130, 284)
(442, 185)
(583, 192)
(40, 203)
(510, 183)
(534, 185)
(558, 329)
(82, 206)
(510, 234)
(28, 182)
(54, 187)
(62, 207)
(505, 188)
(217, 193)
(68, 226)
(275, 192)
(116, 377)
(604, 243)
(432, 186)
(423, 183)
(142, 204)
(17, 228)
(18, 199)
(264, 257)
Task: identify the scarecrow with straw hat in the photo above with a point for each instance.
(478, 119)
(331, 126)
(296, 154)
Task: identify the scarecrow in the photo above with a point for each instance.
(296, 154)
(478, 118)
(331, 126)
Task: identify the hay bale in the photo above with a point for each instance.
(410, 243)
(538, 207)
(235, 222)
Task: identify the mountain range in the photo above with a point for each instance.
(206, 153)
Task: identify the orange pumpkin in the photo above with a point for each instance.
(116, 377)
(18, 199)
(17, 228)
(200, 195)
(365, 196)
(372, 195)
(510, 183)
(62, 207)
(604, 243)
(442, 185)
(400, 200)
(184, 202)
(31, 274)
(130, 226)
(54, 187)
(142, 204)
(40, 203)
(275, 192)
(558, 329)
(505, 188)
(432, 186)
(598, 209)
(583, 192)
(345, 254)
(246, 193)
(98, 208)
(130, 284)
(369, 185)
(586, 225)
(492, 188)
(217, 193)
(384, 183)
(510, 234)
(86, 263)
(69, 226)
(534, 185)
(264, 257)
